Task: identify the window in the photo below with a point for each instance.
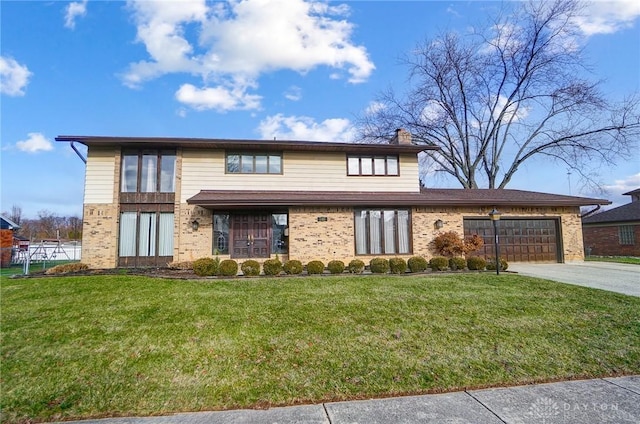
(254, 163)
(372, 165)
(220, 233)
(147, 234)
(150, 171)
(626, 235)
(382, 232)
(280, 233)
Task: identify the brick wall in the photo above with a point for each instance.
(6, 243)
(100, 235)
(604, 240)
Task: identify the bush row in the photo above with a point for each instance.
(229, 267)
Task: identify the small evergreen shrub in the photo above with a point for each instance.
(272, 267)
(228, 268)
(457, 263)
(476, 263)
(67, 268)
(250, 268)
(491, 264)
(439, 263)
(379, 265)
(356, 266)
(335, 267)
(293, 267)
(205, 267)
(417, 264)
(397, 265)
(315, 267)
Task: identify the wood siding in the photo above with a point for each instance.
(205, 170)
(100, 175)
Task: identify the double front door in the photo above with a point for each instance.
(251, 236)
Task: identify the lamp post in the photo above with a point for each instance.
(495, 217)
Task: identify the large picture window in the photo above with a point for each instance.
(146, 234)
(372, 165)
(254, 163)
(149, 171)
(382, 232)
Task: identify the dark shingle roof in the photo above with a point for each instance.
(224, 199)
(624, 213)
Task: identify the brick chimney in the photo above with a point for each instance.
(402, 137)
(635, 195)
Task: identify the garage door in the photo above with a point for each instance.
(521, 240)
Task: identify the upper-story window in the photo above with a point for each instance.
(254, 163)
(372, 165)
(148, 171)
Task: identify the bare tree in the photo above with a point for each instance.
(495, 99)
(15, 214)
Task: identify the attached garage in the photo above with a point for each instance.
(521, 239)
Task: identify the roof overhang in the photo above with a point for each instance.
(253, 145)
(227, 199)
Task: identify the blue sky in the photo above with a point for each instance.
(253, 69)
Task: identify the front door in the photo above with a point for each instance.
(251, 236)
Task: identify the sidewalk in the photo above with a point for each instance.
(608, 400)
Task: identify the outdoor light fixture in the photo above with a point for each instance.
(439, 224)
(195, 225)
(495, 217)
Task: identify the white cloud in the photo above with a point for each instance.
(73, 11)
(219, 98)
(36, 142)
(374, 107)
(625, 185)
(607, 17)
(240, 40)
(293, 93)
(14, 77)
(305, 128)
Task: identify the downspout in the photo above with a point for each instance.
(586, 214)
(75, 149)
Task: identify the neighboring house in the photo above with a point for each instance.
(151, 201)
(7, 227)
(615, 232)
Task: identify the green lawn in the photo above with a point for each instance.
(78, 347)
(617, 259)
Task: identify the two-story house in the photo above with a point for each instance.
(151, 201)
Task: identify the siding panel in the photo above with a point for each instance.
(99, 175)
(205, 170)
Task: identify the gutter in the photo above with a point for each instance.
(586, 214)
(75, 149)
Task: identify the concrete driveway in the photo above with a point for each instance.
(619, 278)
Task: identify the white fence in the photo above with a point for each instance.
(46, 251)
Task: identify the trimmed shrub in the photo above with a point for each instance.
(250, 268)
(457, 263)
(417, 264)
(476, 263)
(491, 264)
(205, 267)
(228, 268)
(335, 267)
(439, 263)
(451, 243)
(356, 266)
(379, 265)
(183, 266)
(315, 267)
(293, 267)
(67, 268)
(397, 265)
(272, 267)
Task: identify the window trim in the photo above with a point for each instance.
(253, 154)
(140, 154)
(372, 159)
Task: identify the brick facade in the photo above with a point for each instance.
(100, 235)
(6, 244)
(604, 240)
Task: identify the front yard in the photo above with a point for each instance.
(93, 346)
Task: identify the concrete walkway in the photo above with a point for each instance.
(602, 401)
(619, 278)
